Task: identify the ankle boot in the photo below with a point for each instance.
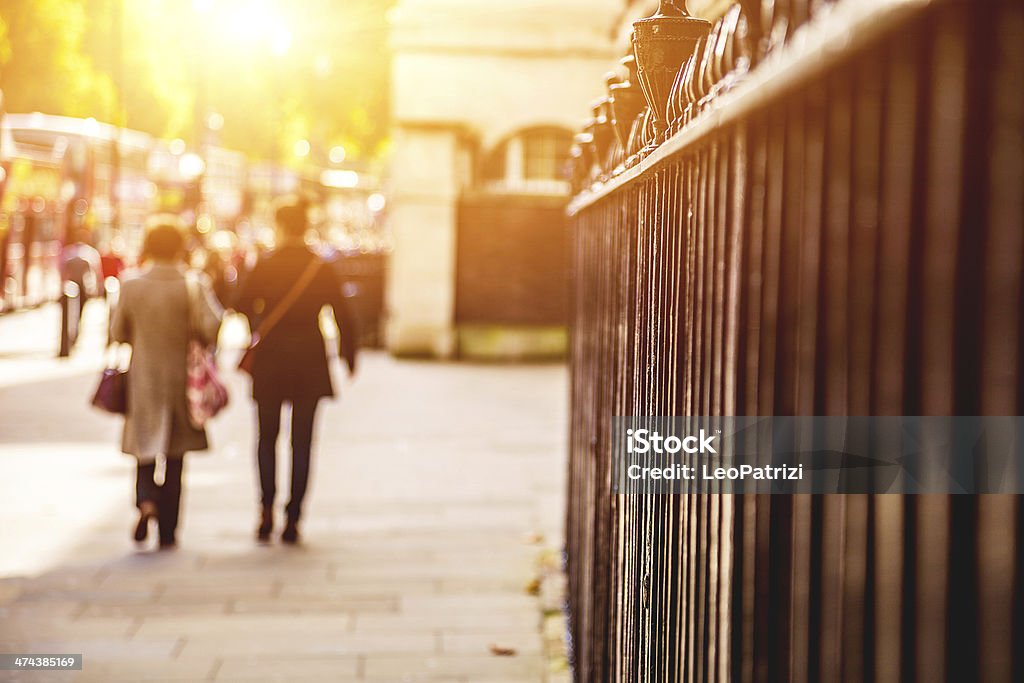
(147, 511)
(266, 524)
(290, 535)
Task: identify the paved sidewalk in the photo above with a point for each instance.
(430, 482)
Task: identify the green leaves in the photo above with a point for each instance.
(162, 66)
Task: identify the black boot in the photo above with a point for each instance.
(266, 524)
(290, 535)
(147, 511)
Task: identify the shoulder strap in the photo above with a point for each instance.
(275, 315)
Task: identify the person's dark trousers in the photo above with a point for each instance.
(167, 496)
(303, 414)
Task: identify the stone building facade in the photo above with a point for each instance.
(486, 96)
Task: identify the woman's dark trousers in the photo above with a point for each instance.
(303, 414)
(167, 496)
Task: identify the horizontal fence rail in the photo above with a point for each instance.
(821, 228)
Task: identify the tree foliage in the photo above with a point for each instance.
(162, 66)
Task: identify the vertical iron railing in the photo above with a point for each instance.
(834, 226)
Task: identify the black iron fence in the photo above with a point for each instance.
(826, 219)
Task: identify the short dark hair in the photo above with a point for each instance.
(164, 240)
(290, 216)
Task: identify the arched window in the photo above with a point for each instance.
(532, 161)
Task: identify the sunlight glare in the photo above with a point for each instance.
(247, 24)
(191, 165)
(280, 41)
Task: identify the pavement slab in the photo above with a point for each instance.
(432, 486)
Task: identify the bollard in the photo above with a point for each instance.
(111, 292)
(70, 303)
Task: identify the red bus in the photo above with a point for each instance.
(62, 173)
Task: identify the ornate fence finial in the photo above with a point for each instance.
(625, 103)
(662, 43)
(588, 156)
(601, 128)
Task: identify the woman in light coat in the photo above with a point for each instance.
(159, 310)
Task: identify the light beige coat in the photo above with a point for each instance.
(155, 314)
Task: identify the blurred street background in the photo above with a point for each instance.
(430, 139)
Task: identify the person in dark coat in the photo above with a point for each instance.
(290, 361)
(80, 264)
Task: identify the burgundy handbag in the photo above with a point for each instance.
(112, 393)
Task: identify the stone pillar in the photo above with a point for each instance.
(424, 187)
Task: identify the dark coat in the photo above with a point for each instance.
(155, 313)
(290, 363)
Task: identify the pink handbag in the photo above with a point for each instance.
(205, 393)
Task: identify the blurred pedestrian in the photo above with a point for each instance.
(81, 265)
(282, 298)
(219, 275)
(161, 307)
(111, 265)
